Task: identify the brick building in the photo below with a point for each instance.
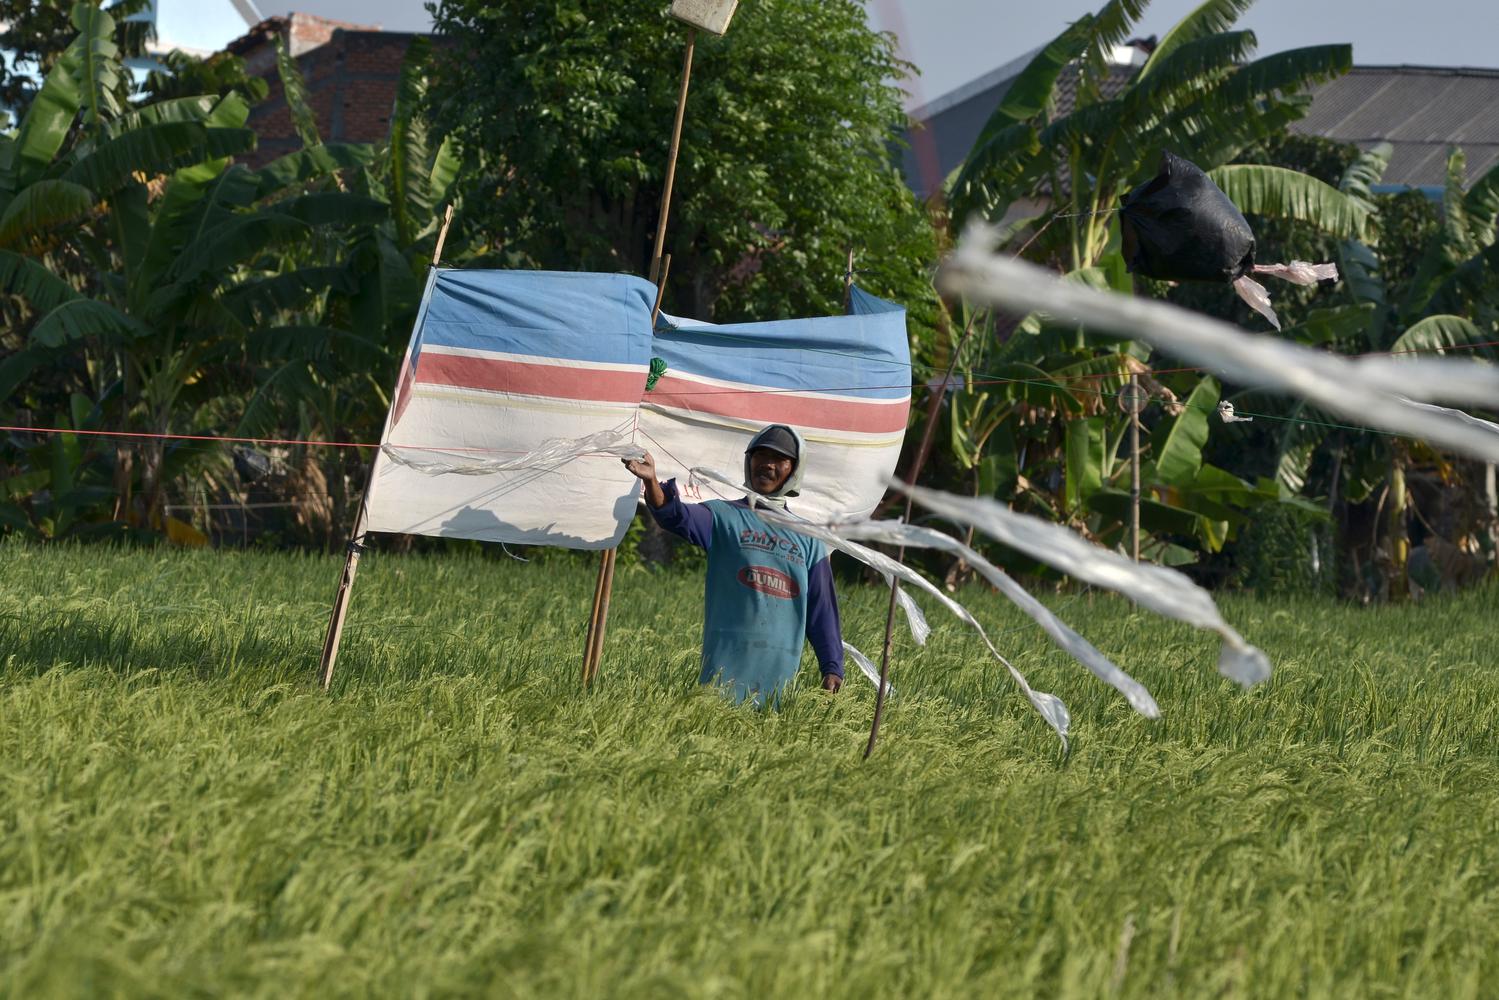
(351, 71)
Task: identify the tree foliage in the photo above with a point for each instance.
(1074, 133)
(150, 283)
(34, 34)
(784, 164)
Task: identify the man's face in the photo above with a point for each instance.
(768, 470)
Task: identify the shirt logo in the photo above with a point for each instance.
(769, 581)
(766, 541)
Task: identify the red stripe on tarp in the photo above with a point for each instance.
(557, 381)
(779, 407)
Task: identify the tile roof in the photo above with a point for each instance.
(1422, 111)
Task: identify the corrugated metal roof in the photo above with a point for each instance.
(1422, 111)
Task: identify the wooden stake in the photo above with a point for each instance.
(660, 290)
(356, 541)
(671, 156)
(934, 409)
(848, 281)
(598, 618)
(1134, 467)
(593, 648)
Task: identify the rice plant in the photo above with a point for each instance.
(183, 813)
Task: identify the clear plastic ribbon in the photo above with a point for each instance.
(917, 536)
(1299, 272)
(1375, 392)
(550, 454)
(1156, 588)
(867, 668)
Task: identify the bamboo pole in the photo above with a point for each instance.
(660, 290)
(605, 572)
(356, 540)
(671, 156)
(593, 645)
(1134, 467)
(933, 410)
(848, 281)
(593, 648)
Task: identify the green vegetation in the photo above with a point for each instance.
(182, 813)
(1070, 136)
(152, 283)
(785, 164)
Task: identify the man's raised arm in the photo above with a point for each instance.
(688, 520)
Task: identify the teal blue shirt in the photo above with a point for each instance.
(769, 589)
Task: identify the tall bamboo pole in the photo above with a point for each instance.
(1134, 466)
(671, 156)
(933, 410)
(593, 648)
(356, 539)
(848, 281)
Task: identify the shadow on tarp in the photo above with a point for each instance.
(481, 524)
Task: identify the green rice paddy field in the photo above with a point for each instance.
(183, 814)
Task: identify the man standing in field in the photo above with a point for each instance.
(768, 586)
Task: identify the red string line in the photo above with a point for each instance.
(186, 437)
(247, 440)
(686, 392)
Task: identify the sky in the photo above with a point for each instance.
(954, 41)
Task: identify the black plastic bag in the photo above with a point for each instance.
(1180, 226)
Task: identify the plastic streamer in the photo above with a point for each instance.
(1226, 411)
(1254, 295)
(916, 536)
(1157, 588)
(1487, 426)
(1049, 706)
(867, 669)
(921, 631)
(551, 453)
(1299, 272)
(1376, 392)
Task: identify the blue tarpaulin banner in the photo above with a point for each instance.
(502, 361)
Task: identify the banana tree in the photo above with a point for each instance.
(1200, 95)
(1447, 305)
(145, 264)
(1197, 95)
(1036, 422)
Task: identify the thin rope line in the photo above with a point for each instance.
(309, 442)
(510, 451)
(667, 452)
(188, 437)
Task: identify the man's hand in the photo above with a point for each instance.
(644, 469)
(831, 682)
